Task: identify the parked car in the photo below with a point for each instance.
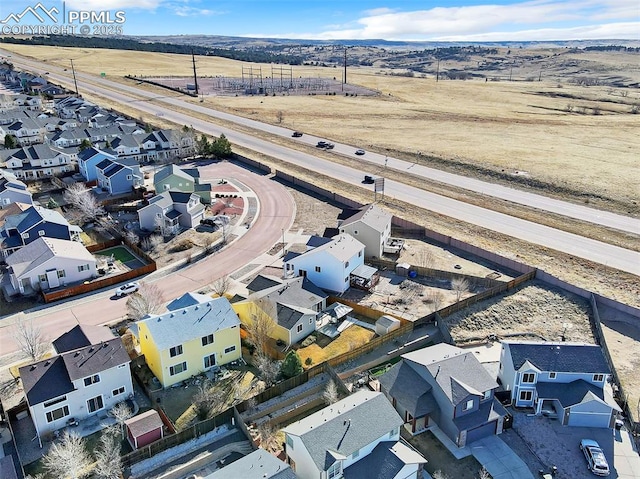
(596, 461)
(359, 152)
(368, 180)
(297, 134)
(128, 288)
(208, 222)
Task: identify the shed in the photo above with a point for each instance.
(144, 428)
(385, 324)
(402, 269)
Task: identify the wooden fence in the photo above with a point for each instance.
(363, 310)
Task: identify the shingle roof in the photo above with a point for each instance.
(371, 215)
(341, 247)
(409, 389)
(43, 249)
(46, 379)
(257, 465)
(180, 326)
(345, 427)
(457, 372)
(188, 299)
(80, 336)
(143, 423)
(559, 357)
(261, 282)
(487, 412)
(569, 394)
(172, 169)
(384, 462)
(93, 359)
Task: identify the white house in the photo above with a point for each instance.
(12, 190)
(76, 384)
(171, 210)
(328, 262)
(371, 225)
(564, 380)
(48, 263)
(353, 437)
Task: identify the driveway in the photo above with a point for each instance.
(557, 445)
(498, 459)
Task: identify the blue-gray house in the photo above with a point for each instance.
(13, 190)
(88, 159)
(119, 176)
(23, 228)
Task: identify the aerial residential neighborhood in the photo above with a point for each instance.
(231, 257)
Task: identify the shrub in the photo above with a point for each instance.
(292, 365)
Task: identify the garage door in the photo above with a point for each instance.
(481, 431)
(588, 419)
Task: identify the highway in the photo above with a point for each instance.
(569, 243)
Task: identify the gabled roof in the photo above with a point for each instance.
(316, 241)
(345, 427)
(80, 336)
(371, 215)
(143, 423)
(257, 465)
(182, 325)
(94, 359)
(570, 394)
(168, 198)
(42, 250)
(457, 372)
(171, 169)
(46, 379)
(410, 390)
(342, 247)
(385, 461)
(188, 299)
(559, 356)
(91, 152)
(262, 282)
(487, 412)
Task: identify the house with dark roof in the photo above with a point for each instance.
(36, 162)
(327, 262)
(559, 379)
(23, 228)
(257, 465)
(445, 386)
(28, 131)
(170, 211)
(76, 384)
(12, 190)
(188, 341)
(371, 225)
(355, 438)
(291, 305)
(81, 336)
(172, 178)
(119, 176)
(89, 158)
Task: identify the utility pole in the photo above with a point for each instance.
(511, 72)
(75, 82)
(345, 65)
(195, 77)
(438, 70)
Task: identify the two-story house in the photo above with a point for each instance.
(446, 386)
(371, 225)
(171, 210)
(172, 178)
(36, 162)
(76, 384)
(28, 131)
(188, 341)
(23, 228)
(292, 305)
(328, 262)
(353, 437)
(119, 176)
(12, 190)
(88, 159)
(564, 380)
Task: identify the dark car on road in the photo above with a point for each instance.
(359, 152)
(297, 134)
(368, 180)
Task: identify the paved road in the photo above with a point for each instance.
(276, 212)
(584, 213)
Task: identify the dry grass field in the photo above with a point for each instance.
(571, 140)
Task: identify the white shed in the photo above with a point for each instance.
(385, 324)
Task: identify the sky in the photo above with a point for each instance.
(405, 20)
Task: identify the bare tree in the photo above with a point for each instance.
(132, 237)
(147, 300)
(426, 258)
(280, 116)
(439, 475)
(151, 242)
(261, 326)
(435, 298)
(68, 457)
(268, 437)
(484, 474)
(107, 454)
(81, 198)
(208, 399)
(459, 286)
(330, 394)
(269, 369)
(121, 412)
(221, 285)
(31, 339)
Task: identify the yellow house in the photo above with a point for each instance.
(189, 340)
(292, 305)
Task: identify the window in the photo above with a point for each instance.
(41, 233)
(57, 414)
(209, 361)
(61, 273)
(178, 368)
(487, 394)
(299, 328)
(335, 470)
(83, 267)
(230, 349)
(346, 280)
(310, 320)
(528, 378)
(25, 235)
(526, 395)
(468, 405)
(359, 254)
(117, 392)
(55, 401)
(355, 454)
(318, 269)
(175, 351)
(346, 265)
(355, 232)
(552, 375)
(42, 278)
(207, 339)
(92, 380)
(598, 378)
(289, 441)
(95, 404)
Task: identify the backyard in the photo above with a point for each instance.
(351, 338)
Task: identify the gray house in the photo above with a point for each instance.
(170, 211)
(563, 380)
(371, 225)
(446, 386)
(13, 190)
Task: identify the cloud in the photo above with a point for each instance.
(99, 5)
(186, 11)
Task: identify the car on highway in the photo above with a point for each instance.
(126, 289)
(325, 144)
(297, 134)
(359, 152)
(368, 180)
(596, 460)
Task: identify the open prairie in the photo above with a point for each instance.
(556, 135)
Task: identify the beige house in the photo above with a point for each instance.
(371, 225)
